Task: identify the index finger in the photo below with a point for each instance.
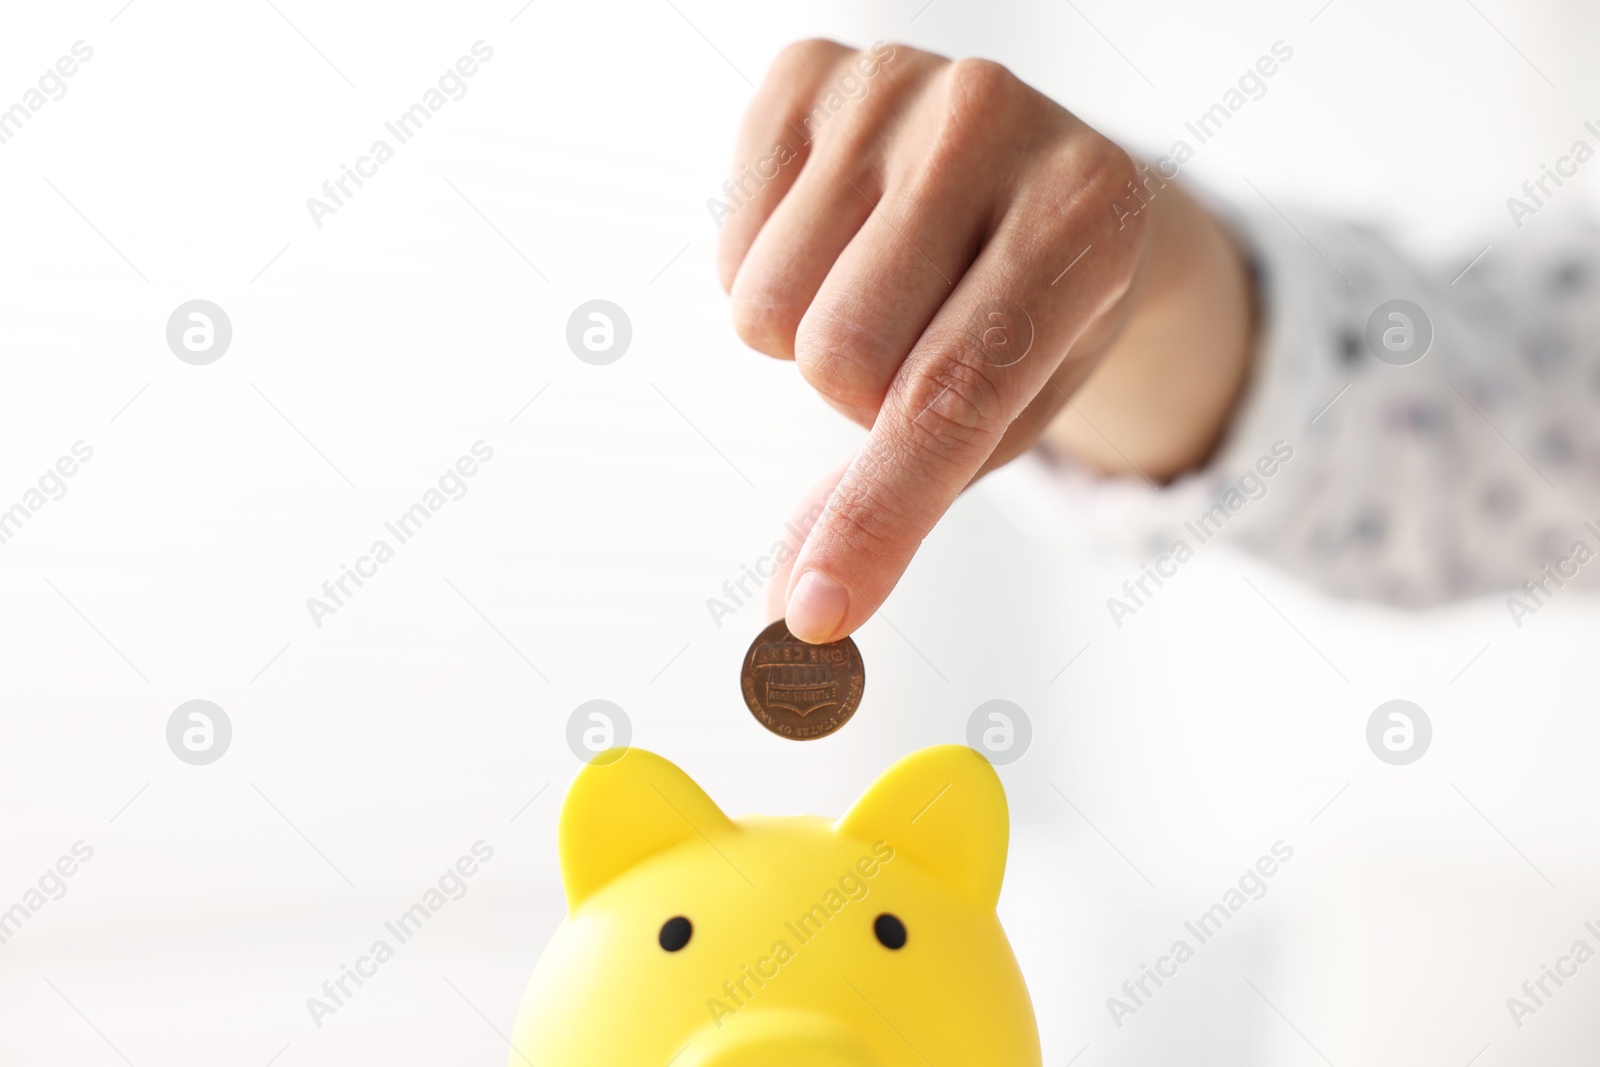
(989, 350)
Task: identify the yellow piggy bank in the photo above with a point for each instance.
(696, 940)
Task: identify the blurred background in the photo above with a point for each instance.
(430, 711)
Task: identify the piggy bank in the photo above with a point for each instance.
(696, 940)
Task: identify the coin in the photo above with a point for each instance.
(801, 691)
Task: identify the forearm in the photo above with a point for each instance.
(1173, 373)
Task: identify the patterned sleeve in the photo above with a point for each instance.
(1413, 435)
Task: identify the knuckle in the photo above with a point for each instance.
(863, 95)
(1105, 194)
(979, 84)
(801, 57)
(960, 408)
(1106, 165)
(842, 359)
(976, 95)
(1101, 170)
(1113, 173)
(764, 320)
(731, 248)
(859, 518)
(865, 512)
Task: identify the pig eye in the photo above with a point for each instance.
(890, 930)
(675, 933)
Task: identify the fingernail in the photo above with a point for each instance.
(816, 608)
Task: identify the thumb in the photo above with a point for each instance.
(801, 520)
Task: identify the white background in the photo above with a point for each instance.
(407, 727)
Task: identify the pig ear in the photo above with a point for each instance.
(942, 807)
(624, 807)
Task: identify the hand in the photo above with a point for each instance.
(949, 255)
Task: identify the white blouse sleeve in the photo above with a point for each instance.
(1464, 461)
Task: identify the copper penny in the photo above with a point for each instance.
(801, 691)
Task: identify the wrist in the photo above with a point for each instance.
(1166, 388)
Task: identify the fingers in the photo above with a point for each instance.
(990, 349)
(794, 251)
(790, 238)
(771, 149)
(802, 519)
(906, 253)
(943, 199)
(885, 288)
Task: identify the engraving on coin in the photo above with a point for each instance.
(801, 691)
